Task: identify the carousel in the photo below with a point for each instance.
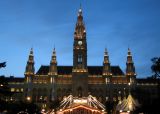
(83, 105)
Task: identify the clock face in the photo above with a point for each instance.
(79, 42)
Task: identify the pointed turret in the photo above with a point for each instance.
(106, 57)
(106, 64)
(30, 64)
(130, 68)
(106, 67)
(29, 72)
(53, 73)
(80, 31)
(53, 64)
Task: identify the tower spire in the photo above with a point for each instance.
(106, 64)
(129, 52)
(80, 10)
(80, 6)
(130, 68)
(80, 31)
(80, 70)
(31, 51)
(29, 72)
(54, 53)
(53, 63)
(80, 44)
(106, 67)
(30, 63)
(105, 52)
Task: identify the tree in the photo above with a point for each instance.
(4, 93)
(109, 106)
(54, 104)
(20, 106)
(156, 67)
(3, 64)
(4, 88)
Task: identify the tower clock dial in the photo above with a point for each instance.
(79, 42)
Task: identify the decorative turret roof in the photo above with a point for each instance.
(53, 59)
(80, 11)
(106, 64)
(129, 56)
(80, 27)
(106, 56)
(30, 63)
(130, 69)
(31, 51)
(53, 64)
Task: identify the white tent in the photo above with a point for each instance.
(128, 104)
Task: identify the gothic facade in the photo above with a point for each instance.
(54, 82)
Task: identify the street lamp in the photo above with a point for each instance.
(129, 83)
(129, 87)
(28, 98)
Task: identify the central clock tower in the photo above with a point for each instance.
(80, 45)
(80, 72)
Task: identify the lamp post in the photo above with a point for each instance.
(129, 84)
(130, 105)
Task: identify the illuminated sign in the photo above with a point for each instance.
(80, 101)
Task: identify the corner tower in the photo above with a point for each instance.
(80, 72)
(53, 74)
(130, 68)
(29, 72)
(53, 65)
(106, 67)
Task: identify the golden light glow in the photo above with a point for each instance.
(80, 106)
(12, 89)
(28, 98)
(81, 101)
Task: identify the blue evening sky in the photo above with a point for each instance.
(115, 24)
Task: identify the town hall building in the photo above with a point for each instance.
(80, 80)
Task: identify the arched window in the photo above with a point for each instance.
(79, 58)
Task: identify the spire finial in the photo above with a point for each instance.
(105, 49)
(105, 52)
(54, 48)
(128, 48)
(54, 51)
(31, 51)
(129, 51)
(80, 6)
(80, 10)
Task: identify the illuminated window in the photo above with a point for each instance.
(17, 90)
(12, 89)
(21, 89)
(51, 79)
